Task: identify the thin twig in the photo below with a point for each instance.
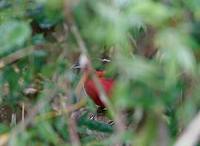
(53, 114)
(23, 111)
(79, 87)
(75, 140)
(162, 132)
(15, 56)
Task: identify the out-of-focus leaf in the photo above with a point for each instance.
(95, 125)
(193, 5)
(39, 58)
(61, 127)
(174, 49)
(47, 13)
(152, 12)
(138, 69)
(47, 133)
(186, 113)
(19, 139)
(3, 128)
(147, 135)
(13, 34)
(122, 89)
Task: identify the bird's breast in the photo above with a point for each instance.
(92, 91)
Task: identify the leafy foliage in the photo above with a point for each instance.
(153, 46)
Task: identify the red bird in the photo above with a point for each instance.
(91, 89)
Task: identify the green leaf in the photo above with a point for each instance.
(152, 12)
(47, 133)
(13, 34)
(95, 125)
(175, 51)
(62, 127)
(47, 13)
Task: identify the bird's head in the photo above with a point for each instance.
(84, 65)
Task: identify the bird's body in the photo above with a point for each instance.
(92, 91)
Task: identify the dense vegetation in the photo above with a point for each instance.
(154, 52)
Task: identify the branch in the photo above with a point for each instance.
(191, 134)
(15, 56)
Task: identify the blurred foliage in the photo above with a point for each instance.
(154, 47)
